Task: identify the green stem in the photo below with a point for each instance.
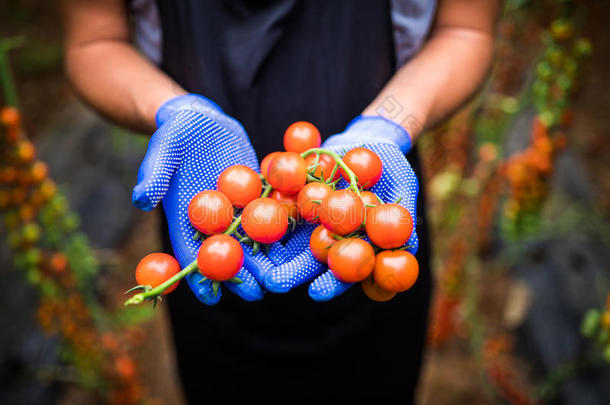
(353, 180)
(6, 78)
(158, 290)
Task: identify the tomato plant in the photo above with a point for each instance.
(210, 212)
(365, 164)
(326, 165)
(310, 198)
(287, 172)
(351, 259)
(342, 212)
(320, 242)
(240, 184)
(264, 220)
(220, 257)
(155, 269)
(395, 270)
(375, 292)
(389, 225)
(301, 136)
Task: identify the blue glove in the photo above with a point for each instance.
(195, 141)
(390, 142)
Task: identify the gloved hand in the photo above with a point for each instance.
(195, 141)
(390, 142)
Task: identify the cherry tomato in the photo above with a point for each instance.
(264, 220)
(301, 136)
(265, 163)
(287, 172)
(395, 270)
(369, 198)
(342, 212)
(389, 225)
(365, 164)
(312, 192)
(351, 260)
(210, 212)
(288, 203)
(374, 292)
(156, 268)
(320, 242)
(220, 257)
(240, 184)
(325, 167)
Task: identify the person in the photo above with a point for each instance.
(204, 68)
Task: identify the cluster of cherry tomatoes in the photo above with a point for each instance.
(361, 238)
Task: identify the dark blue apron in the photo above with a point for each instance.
(270, 63)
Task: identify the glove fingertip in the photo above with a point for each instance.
(327, 287)
(203, 291)
(141, 200)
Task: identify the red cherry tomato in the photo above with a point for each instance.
(301, 136)
(389, 226)
(265, 163)
(365, 164)
(375, 292)
(288, 203)
(351, 260)
(210, 212)
(155, 269)
(220, 257)
(287, 172)
(264, 220)
(315, 191)
(395, 270)
(240, 184)
(342, 212)
(325, 167)
(320, 242)
(368, 198)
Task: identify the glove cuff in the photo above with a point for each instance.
(382, 129)
(192, 102)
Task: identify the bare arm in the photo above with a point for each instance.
(448, 69)
(106, 70)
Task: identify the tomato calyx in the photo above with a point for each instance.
(353, 180)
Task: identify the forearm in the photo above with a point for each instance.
(118, 82)
(106, 70)
(441, 77)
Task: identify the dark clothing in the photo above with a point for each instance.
(270, 63)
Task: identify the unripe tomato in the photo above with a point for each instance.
(395, 270)
(365, 164)
(301, 136)
(288, 203)
(389, 226)
(264, 220)
(210, 212)
(315, 191)
(374, 292)
(351, 260)
(287, 172)
(265, 163)
(342, 212)
(320, 242)
(220, 257)
(240, 184)
(156, 268)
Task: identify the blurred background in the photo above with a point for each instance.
(519, 194)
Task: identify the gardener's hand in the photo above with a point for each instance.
(195, 141)
(390, 142)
